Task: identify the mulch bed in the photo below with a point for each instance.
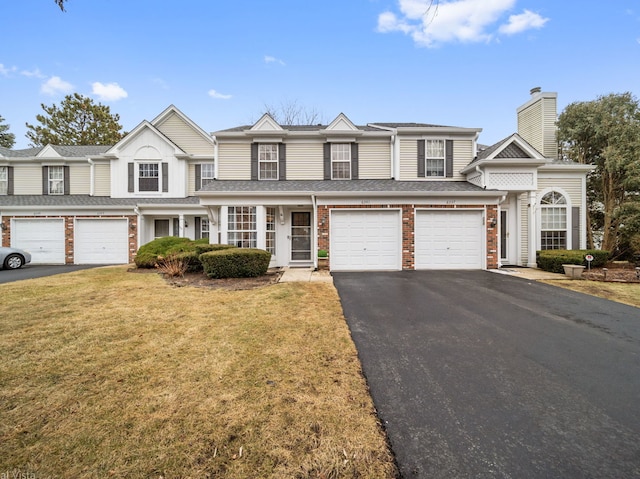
(200, 280)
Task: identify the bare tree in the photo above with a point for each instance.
(290, 112)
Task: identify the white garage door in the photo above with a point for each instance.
(365, 240)
(43, 238)
(101, 241)
(449, 240)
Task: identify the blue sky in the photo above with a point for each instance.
(467, 63)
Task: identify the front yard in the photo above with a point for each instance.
(105, 373)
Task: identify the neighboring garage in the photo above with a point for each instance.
(449, 239)
(366, 240)
(101, 241)
(42, 237)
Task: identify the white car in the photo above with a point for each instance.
(13, 258)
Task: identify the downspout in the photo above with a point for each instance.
(314, 246)
(482, 183)
(92, 177)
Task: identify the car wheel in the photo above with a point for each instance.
(13, 261)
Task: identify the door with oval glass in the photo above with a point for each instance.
(300, 236)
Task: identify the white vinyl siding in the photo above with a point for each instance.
(571, 186)
(79, 179)
(235, 161)
(183, 135)
(191, 181)
(374, 161)
(408, 159)
(529, 125)
(102, 179)
(304, 161)
(524, 222)
(462, 156)
(27, 180)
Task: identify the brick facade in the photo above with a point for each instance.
(69, 224)
(408, 228)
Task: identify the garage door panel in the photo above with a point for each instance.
(101, 241)
(365, 240)
(43, 238)
(449, 240)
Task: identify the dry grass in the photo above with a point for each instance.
(110, 374)
(627, 293)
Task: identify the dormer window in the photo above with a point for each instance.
(268, 161)
(148, 177)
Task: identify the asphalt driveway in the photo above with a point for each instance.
(31, 271)
(477, 374)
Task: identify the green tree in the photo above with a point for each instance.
(77, 121)
(60, 3)
(6, 139)
(606, 133)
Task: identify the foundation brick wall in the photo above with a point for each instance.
(408, 229)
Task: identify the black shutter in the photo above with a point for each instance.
(327, 161)
(198, 177)
(575, 227)
(131, 187)
(421, 158)
(165, 177)
(45, 180)
(67, 182)
(354, 161)
(254, 161)
(197, 227)
(282, 162)
(10, 180)
(448, 158)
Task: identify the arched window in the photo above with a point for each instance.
(553, 225)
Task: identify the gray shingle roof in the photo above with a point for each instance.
(72, 151)
(409, 125)
(19, 153)
(86, 200)
(337, 186)
(299, 128)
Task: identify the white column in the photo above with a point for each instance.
(533, 229)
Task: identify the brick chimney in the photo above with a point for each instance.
(537, 122)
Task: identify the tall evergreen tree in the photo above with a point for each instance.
(77, 121)
(7, 139)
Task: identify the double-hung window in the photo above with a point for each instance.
(434, 158)
(268, 161)
(340, 161)
(207, 174)
(204, 227)
(4, 180)
(242, 227)
(56, 180)
(148, 176)
(553, 224)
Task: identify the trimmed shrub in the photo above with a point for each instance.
(235, 263)
(322, 253)
(191, 260)
(148, 253)
(552, 259)
(205, 248)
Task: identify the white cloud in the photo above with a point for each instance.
(525, 21)
(32, 73)
(56, 85)
(218, 95)
(6, 71)
(270, 59)
(433, 23)
(108, 92)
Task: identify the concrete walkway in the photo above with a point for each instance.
(305, 275)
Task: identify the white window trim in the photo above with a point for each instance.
(347, 161)
(443, 157)
(261, 161)
(539, 206)
(4, 180)
(51, 180)
(137, 176)
(204, 178)
(254, 231)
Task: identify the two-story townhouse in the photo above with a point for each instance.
(391, 196)
(383, 196)
(98, 204)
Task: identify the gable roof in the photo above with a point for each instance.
(145, 125)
